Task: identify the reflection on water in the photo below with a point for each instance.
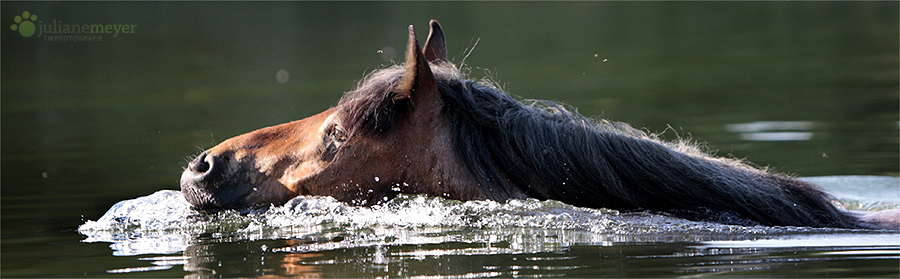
(860, 192)
(804, 254)
(773, 130)
(777, 136)
(829, 251)
(155, 267)
(431, 236)
(760, 126)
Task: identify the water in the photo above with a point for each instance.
(319, 235)
(804, 88)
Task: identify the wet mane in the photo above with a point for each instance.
(375, 110)
(551, 152)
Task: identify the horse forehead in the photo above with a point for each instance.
(286, 134)
(302, 127)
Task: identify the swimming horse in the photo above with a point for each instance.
(423, 128)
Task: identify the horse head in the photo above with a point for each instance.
(386, 137)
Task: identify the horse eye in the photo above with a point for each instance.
(338, 135)
(336, 138)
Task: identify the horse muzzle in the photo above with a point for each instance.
(206, 184)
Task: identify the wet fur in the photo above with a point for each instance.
(551, 152)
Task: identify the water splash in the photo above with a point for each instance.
(164, 223)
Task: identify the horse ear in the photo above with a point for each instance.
(435, 46)
(418, 74)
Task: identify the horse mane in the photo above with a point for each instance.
(550, 151)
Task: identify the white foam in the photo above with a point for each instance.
(164, 223)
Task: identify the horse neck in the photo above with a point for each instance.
(551, 153)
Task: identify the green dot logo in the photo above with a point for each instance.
(24, 24)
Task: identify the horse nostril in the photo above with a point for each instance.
(203, 163)
(203, 173)
(199, 165)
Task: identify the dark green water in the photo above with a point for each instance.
(88, 123)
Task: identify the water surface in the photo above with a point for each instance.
(408, 235)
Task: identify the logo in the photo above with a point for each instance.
(24, 24)
(54, 30)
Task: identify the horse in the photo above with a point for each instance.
(422, 127)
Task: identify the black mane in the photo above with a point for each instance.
(551, 152)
